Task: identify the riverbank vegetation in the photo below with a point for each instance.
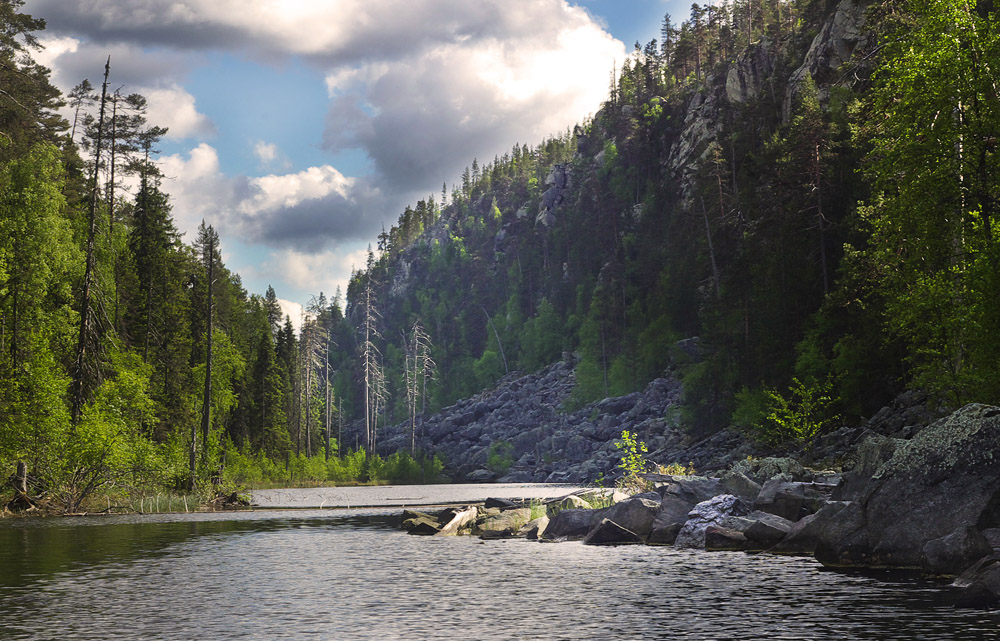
(831, 242)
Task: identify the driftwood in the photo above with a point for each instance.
(460, 518)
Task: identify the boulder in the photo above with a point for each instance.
(979, 586)
(680, 495)
(636, 514)
(570, 502)
(792, 500)
(943, 480)
(573, 524)
(783, 498)
(952, 554)
(802, 537)
(534, 528)
(714, 511)
(422, 525)
(607, 532)
(504, 525)
(761, 470)
(503, 504)
(739, 484)
(765, 530)
(721, 539)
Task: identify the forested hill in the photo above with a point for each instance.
(809, 188)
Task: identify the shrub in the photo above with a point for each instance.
(500, 458)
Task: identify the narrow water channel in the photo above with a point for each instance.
(351, 574)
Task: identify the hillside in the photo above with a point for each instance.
(783, 214)
(707, 198)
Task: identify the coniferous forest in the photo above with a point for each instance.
(826, 231)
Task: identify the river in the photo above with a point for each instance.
(352, 574)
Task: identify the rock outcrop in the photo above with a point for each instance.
(927, 506)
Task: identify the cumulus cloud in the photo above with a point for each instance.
(155, 76)
(421, 88)
(311, 209)
(266, 152)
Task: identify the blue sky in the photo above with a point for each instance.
(299, 127)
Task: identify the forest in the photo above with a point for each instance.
(830, 244)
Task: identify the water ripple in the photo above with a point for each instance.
(352, 575)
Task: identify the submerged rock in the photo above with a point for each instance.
(979, 586)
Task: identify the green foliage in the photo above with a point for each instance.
(633, 463)
(932, 119)
(795, 417)
(500, 457)
(676, 469)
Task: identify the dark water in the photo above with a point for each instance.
(353, 575)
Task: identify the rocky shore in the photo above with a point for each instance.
(929, 504)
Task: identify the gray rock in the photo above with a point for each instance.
(607, 532)
(802, 537)
(766, 530)
(636, 514)
(721, 539)
(762, 470)
(571, 524)
(739, 484)
(952, 554)
(664, 535)
(839, 38)
(783, 498)
(503, 525)
(943, 480)
(747, 76)
(714, 511)
(535, 528)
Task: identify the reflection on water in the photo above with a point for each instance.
(353, 575)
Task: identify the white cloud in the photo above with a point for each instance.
(310, 209)
(293, 311)
(173, 107)
(325, 272)
(420, 87)
(266, 152)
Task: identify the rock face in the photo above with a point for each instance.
(747, 76)
(917, 510)
(841, 36)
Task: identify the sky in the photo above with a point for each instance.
(299, 128)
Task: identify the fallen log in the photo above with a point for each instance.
(459, 519)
